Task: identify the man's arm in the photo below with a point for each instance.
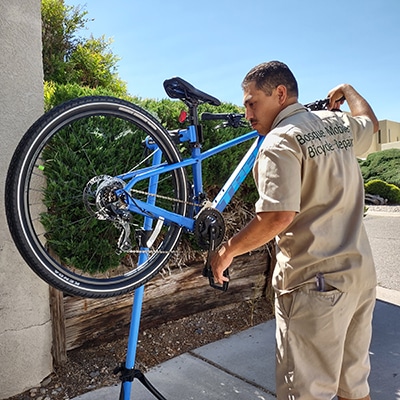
(261, 229)
(357, 104)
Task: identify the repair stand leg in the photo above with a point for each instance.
(127, 370)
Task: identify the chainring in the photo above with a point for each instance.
(207, 218)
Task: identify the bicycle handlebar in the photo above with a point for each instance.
(320, 104)
(232, 119)
(206, 116)
(317, 105)
(236, 119)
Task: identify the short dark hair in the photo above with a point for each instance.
(269, 75)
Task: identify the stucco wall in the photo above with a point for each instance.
(25, 328)
(387, 138)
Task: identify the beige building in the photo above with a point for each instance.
(388, 137)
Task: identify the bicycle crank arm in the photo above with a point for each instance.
(207, 271)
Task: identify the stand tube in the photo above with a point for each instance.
(128, 369)
(133, 339)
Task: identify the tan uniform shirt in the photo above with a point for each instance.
(307, 164)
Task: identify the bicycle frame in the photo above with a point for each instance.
(195, 162)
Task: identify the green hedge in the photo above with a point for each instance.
(383, 165)
(66, 172)
(386, 190)
(215, 170)
(55, 94)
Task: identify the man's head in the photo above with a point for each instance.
(268, 89)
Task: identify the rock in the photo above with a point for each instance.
(375, 199)
(45, 381)
(94, 374)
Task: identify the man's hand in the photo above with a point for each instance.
(220, 261)
(336, 95)
(261, 229)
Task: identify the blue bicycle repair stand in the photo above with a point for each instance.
(127, 369)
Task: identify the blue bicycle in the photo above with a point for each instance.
(96, 223)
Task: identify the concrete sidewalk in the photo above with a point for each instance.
(242, 366)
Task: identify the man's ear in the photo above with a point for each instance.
(281, 91)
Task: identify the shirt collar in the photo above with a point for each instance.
(288, 112)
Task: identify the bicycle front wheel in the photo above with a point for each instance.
(61, 202)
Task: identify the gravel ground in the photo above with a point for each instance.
(391, 208)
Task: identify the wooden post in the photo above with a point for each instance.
(76, 320)
(182, 293)
(59, 348)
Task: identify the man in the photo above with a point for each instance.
(311, 199)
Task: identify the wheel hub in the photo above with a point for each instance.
(100, 199)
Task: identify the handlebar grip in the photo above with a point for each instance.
(321, 104)
(206, 116)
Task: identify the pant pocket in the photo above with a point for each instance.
(285, 304)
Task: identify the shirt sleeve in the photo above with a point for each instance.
(277, 173)
(362, 129)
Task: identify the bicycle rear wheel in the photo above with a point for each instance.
(61, 204)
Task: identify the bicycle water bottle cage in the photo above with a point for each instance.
(178, 88)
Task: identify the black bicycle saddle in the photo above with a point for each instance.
(178, 88)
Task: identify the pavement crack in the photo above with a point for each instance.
(227, 371)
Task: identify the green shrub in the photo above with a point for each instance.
(66, 171)
(386, 190)
(383, 165)
(216, 170)
(55, 94)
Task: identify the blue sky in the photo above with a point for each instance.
(214, 43)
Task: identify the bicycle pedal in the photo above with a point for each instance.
(207, 272)
(224, 286)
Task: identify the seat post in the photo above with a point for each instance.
(194, 120)
(193, 117)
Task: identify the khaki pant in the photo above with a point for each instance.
(323, 341)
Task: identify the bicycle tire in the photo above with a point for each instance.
(56, 172)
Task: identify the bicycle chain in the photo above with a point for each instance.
(205, 204)
(150, 251)
(164, 198)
